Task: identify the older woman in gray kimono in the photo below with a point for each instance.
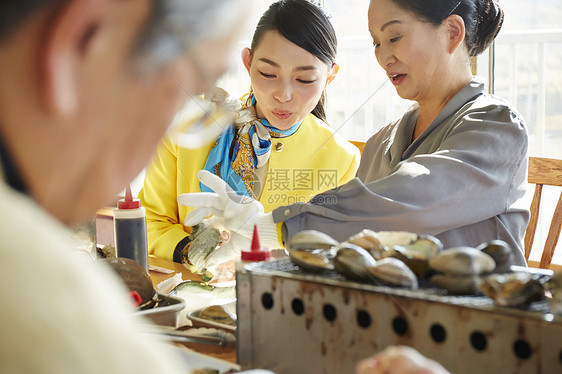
(454, 165)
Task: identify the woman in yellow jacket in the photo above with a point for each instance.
(280, 150)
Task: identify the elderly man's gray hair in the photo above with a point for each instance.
(175, 24)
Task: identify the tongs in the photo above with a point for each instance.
(196, 335)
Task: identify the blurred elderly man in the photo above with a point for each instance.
(88, 88)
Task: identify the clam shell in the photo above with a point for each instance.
(414, 261)
(554, 285)
(204, 240)
(394, 238)
(500, 252)
(369, 240)
(353, 261)
(513, 289)
(311, 239)
(315, 262)
(426, 246)
(416, 254)
(395, 272)
(462, 261)
(456, 284)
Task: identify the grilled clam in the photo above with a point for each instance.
(311, 251)
(370, 241)
(500, 252)
(394, 238)
(394, 272)
(313, 261)
(513, 289)
(353, 261)
(457, 284)
(418, 253)
(462, 261)
(461, 268)
(310, 239)
(554, 285)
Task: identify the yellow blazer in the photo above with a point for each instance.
(312, 160)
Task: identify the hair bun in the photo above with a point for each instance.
(489, 23)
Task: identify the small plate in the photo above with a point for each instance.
(195, 360)
(201, 322)
(166, 313)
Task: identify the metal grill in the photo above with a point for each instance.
(292, 322)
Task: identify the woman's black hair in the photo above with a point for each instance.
(483, 19)
(303, 24)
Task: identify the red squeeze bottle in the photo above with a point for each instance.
(257, 253)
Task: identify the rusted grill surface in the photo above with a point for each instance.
(426, 290)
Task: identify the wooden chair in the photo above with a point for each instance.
(544, 171)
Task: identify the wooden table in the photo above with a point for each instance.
(223, 353)
(158, 277)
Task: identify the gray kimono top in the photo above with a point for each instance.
(462, 180)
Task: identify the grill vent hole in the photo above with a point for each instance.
(297, 306)
(438, 333)
(363, 319)
(330, 312)
(522, 349)
(479, 341)
(400, 326)
(267, 300)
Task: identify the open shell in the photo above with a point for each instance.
(313, 261)
(514, 289)
(395, 272)
(353, 261)
(204, 240)
(310, 239)
(457, 284)
(500, 252)
(416, 255)
(370, 241)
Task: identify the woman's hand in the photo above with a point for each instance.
(235, 213)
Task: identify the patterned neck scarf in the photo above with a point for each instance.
(242, 149)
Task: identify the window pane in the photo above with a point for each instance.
(528, 73)
(361, 99)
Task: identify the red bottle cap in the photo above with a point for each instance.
(128, 202)
(257, 253)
